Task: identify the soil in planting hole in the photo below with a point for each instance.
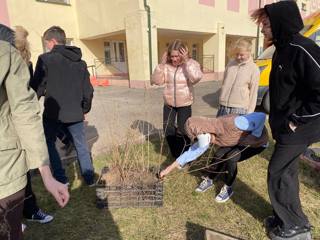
(121, 177)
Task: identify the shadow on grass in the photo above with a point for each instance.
(80, 219)
(309, 176)
(154, 136)
(195, 231)
(244, 196)
(198, 232)
(151, 134)
(267, 153)
(250, 201)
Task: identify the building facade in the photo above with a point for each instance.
(123, 40)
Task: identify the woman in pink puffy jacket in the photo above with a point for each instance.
(178, 73)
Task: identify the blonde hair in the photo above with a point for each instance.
(22, 44)
(241, 44)
(175, 46)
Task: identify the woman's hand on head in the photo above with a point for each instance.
(184, 54)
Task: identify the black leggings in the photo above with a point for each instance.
(30, 203)
(234, 155)
(174, 119)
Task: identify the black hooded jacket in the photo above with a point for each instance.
(294, 78)
(62, 77)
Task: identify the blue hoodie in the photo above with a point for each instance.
(253, 122)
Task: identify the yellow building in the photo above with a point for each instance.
(123, 40)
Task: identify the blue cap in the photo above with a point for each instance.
(253, 122)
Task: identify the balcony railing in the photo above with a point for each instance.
(207, 63)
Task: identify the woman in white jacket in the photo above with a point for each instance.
(240, 82)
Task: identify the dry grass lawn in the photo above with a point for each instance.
(185, 214)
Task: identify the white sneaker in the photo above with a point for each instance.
(206, 184)
(41, 217)
(23, 227)
(225, 194)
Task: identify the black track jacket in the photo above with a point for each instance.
(294, 78)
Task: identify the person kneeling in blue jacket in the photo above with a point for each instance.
(239, 138)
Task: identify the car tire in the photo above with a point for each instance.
(266, 102)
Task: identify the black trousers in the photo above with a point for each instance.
(30, 203)
(283, 185)
(174, 119)
(234, 155)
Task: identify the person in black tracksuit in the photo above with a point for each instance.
(294, 114)
(62, 77)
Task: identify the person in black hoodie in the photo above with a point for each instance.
(62, 77)
(294, 114)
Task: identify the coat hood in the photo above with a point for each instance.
(6, 34)
(285, 20)
(72, 53)
(253, 122)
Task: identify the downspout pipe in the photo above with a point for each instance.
(147, 8)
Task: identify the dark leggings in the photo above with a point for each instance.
(30, 203)
(174, 119)
(234, 155)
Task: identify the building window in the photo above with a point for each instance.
(107, 53)
(233, 5)
(209, 3)
(115, 52)
(64, 2)
(194, 52)
(121, 52)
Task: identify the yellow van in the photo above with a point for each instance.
(311, 30)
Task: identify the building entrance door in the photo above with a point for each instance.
(118, 55)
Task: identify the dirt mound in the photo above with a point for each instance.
(116, 176)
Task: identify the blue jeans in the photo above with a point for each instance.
(76, 129)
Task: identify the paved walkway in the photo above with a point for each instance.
(115, 110)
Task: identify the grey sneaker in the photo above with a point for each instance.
(206, 184)
(225, 194)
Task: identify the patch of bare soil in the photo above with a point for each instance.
(116, 176)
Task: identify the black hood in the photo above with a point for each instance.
(285, 21)
(6, 34)
(70, 52)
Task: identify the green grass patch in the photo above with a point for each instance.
(185, 214)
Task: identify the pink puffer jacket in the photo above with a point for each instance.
(178, 81)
